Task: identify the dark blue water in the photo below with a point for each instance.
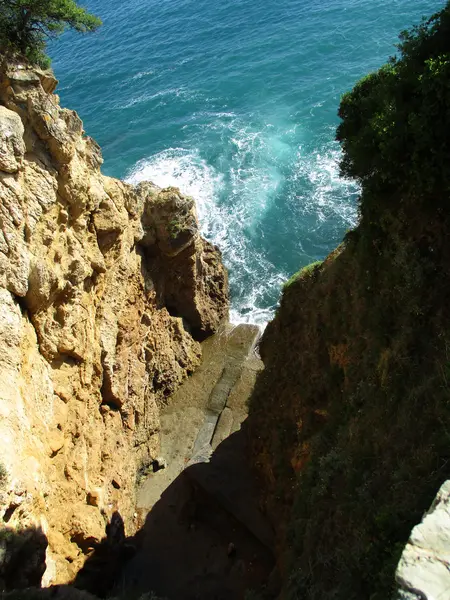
(235, 102)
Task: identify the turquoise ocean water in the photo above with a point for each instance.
(235, 103)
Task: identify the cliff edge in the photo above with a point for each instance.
(105, 291)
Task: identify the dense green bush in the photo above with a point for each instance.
(395, 122)
(307, 271)
(26, 25)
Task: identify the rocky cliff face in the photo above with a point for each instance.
(104, 290)
(350, 415)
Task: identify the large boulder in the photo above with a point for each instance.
(12, 147)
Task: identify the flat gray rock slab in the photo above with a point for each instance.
(189, 422)
(205, 502)
(237, 352)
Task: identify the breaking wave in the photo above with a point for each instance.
(238, 191)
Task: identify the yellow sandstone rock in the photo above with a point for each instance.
(98, 282)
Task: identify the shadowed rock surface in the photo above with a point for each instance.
(205, 536)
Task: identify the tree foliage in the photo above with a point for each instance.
(27, 25)
(396, 122)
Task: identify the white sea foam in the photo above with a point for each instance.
(234, 196)
(229, 115)
(142, 74)
(328, 195)
(162, 95)
(226, 225)
(254, 158)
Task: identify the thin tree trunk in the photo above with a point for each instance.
(23, 29)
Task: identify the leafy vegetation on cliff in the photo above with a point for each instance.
(396, 122)
(351, 416)
(27, 25)
(307, 271)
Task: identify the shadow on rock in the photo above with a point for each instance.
(22, 565)
(101, 570)
(22, 557)
(205, 539)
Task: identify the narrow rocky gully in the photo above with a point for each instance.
(202, 534)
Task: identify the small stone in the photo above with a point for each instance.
(48, 81)
(116, 483)
(95, 497)
(146, 320)
(56, 442)
(63, 216)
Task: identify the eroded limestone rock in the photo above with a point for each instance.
(102, 287)
(423, 572)
(12, 147)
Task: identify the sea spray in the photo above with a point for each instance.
(254, 169)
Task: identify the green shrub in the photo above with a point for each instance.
(307, 271)
(175, 227)
(395, 123)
